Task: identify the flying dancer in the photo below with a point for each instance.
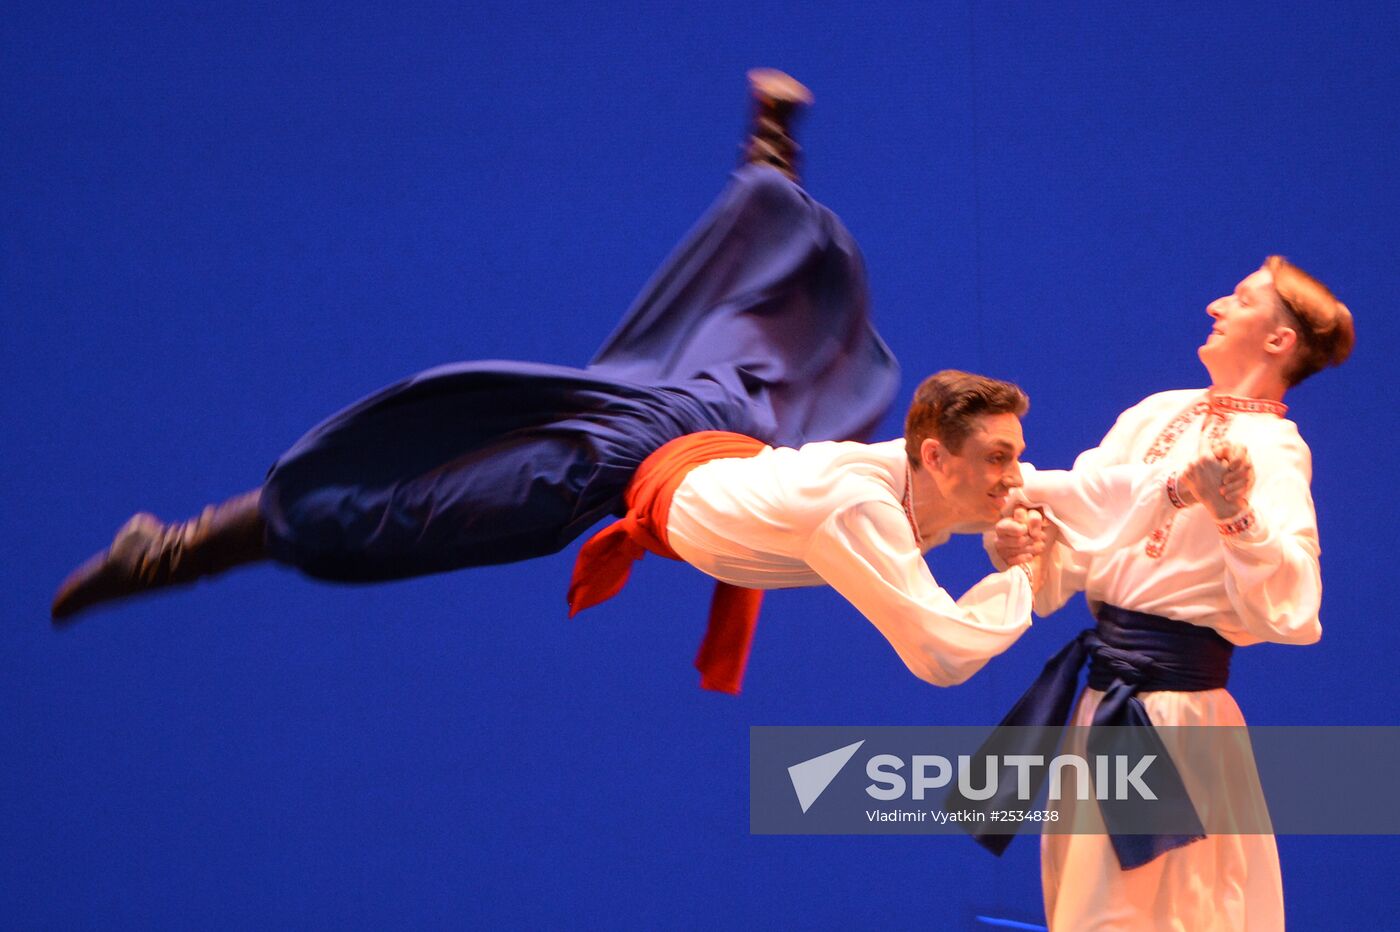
(720, 421)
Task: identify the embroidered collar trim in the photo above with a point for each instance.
(909, 505)
(1247, 405)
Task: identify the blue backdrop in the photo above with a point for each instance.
(221, 224)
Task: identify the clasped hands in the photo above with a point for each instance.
(1023, 537)
(1220, 480)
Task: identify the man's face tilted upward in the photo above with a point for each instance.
(977, 479)
(1247, 330)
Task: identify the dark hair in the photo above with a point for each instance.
(946, 403)
(1323, 324)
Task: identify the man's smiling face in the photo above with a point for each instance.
(977, 479)
(1244, 322)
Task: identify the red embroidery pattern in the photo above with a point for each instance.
(1238, 524)
(1248, 405)
(1173, 431)
(1218, 410)
(909, 506)
(1217, 423)
(1173, 495)
(1157, 543)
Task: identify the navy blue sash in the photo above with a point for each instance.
(1129, 652)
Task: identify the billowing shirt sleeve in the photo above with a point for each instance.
(1065, 568)
(866, 552)
(1272, 573)
(1096, 510)
(1100, 510)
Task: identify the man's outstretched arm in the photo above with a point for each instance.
(866, 552)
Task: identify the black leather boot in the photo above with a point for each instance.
(777, 99)
(147, 554)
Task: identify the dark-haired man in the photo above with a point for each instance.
(1191, 530)
(859, 517)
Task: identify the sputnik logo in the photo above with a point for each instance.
(811, 777)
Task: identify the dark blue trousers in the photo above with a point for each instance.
(758, 323)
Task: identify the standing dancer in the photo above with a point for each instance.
(1184, 554)
(754, 333)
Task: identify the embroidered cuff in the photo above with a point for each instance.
(1242, 523)
(1173, 495)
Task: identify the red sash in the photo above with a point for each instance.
(605, 562)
